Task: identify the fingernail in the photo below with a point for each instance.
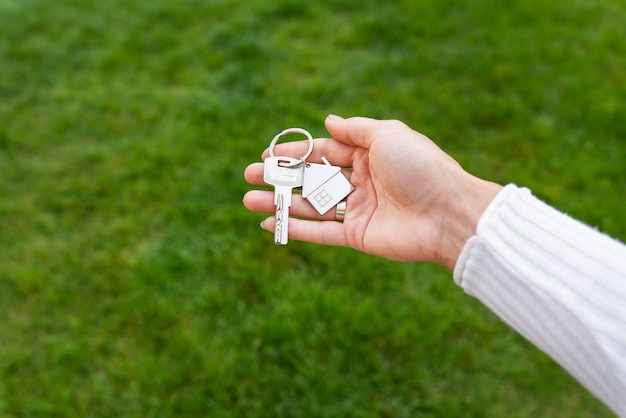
(261, 225)
(334, 117)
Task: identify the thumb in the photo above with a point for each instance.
(355, 131)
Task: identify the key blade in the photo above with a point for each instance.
(284, 192)
(282, 200)
(278, 229)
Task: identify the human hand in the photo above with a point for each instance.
(411, 201)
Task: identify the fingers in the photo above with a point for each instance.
(253, 174)
(362, 132)
(357, 131)
(335, 152)
(322, 229)
(324, 232)
(347, 135)
(263, 201)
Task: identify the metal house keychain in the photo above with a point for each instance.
(324, 186)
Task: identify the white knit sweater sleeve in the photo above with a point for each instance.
(558, 282)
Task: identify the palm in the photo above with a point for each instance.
(388, 208)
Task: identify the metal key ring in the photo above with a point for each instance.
(293, 131)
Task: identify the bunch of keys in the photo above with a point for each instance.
(323, 185)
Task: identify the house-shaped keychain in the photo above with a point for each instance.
(324, 185)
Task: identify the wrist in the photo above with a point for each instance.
(465, 207)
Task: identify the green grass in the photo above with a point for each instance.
(133, 283)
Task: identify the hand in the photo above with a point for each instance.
(411, 202)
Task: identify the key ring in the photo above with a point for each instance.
(293, 131)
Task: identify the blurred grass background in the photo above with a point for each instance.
(133, 283)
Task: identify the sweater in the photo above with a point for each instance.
(558, 282)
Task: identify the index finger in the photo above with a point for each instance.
(337, 153)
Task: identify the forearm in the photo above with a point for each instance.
(556, 281)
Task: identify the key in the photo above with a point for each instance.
(284, 180)
(324, 185)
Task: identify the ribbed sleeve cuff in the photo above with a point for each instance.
(558, 282)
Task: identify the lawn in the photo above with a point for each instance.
(133, 283)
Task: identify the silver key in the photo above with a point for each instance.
(284, 179)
